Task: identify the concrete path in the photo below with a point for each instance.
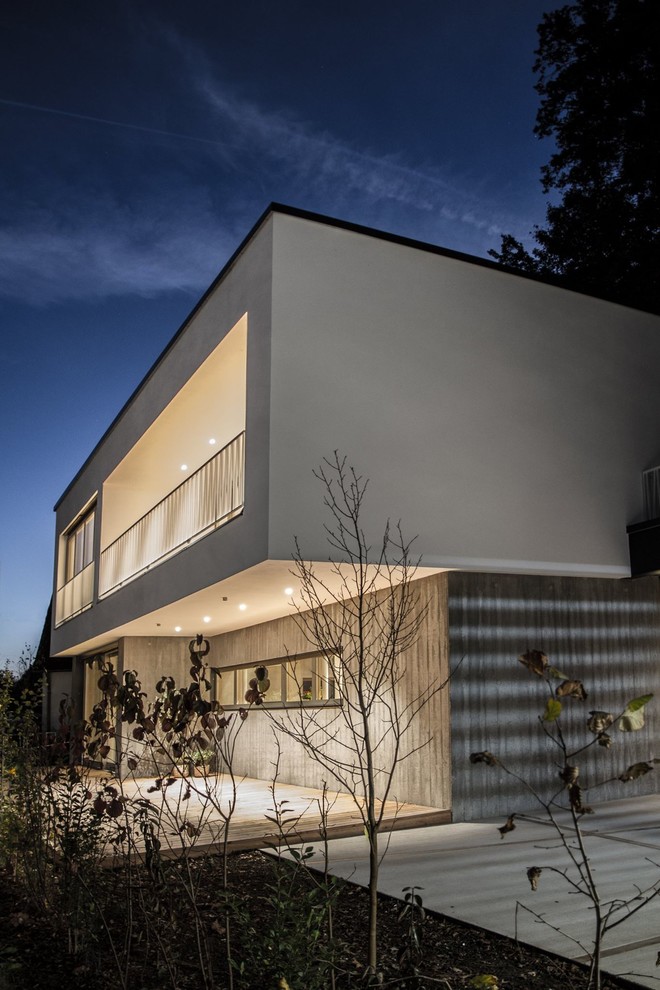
(468, 872)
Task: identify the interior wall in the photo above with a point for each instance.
(605, 633)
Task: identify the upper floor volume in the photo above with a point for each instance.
(506, 420)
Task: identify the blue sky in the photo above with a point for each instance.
(142, 140)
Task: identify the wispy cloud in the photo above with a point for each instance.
(173, 229)
(334, 168)
(99, 248)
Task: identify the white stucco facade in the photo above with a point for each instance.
(504, 420)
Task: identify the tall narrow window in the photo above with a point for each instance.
(80, 546)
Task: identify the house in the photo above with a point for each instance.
(507, 421)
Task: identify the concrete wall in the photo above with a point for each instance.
(605, 633)
(424, 778)
(505, 420)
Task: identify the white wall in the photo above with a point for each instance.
(506, 421)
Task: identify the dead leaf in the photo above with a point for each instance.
(535, 661)
(575, 797)
(571, 689)
(569, 774)
(484, 757)
(635, 771)
(599, 722)
(508, 826)
(534, 875)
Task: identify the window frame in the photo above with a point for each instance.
(79, 542)
(288, 679)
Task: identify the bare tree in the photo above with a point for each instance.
(360, 622)
(564, 792)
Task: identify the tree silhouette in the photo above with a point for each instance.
(598, 78)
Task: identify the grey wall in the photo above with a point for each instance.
(242, 543)
(605, 633)
(505, 420)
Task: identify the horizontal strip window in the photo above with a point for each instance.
(310, 679)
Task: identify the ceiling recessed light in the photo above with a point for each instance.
(207, 618)
(211, 440)
(288, 591)
(184, 467)
(177, 629)
(242, 606)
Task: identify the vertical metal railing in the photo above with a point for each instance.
(209, 498)
(75, 596)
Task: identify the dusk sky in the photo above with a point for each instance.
(142, 140)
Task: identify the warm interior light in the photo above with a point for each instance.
(177, 629)
(207, 618)
(242, 606)
(212, 440)
(184, 467)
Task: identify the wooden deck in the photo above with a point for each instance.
(196, 805)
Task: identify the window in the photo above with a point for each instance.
(311, 677)
(75, 567)
(80, 546)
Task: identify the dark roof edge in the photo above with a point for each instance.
(356, 228)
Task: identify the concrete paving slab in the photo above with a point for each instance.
(637, 964)
(628, 814)
(470, 873)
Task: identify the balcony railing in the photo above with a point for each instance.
(206, 500)
(75, 596)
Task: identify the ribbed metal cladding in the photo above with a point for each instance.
(603, 632)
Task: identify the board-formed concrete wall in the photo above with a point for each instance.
(605, 633)
(423, 778)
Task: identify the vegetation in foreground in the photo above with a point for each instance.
(247, 920)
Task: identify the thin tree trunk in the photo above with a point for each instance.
(373, 897)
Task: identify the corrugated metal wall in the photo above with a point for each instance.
(603, 632)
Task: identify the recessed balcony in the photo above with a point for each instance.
(206, 500)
